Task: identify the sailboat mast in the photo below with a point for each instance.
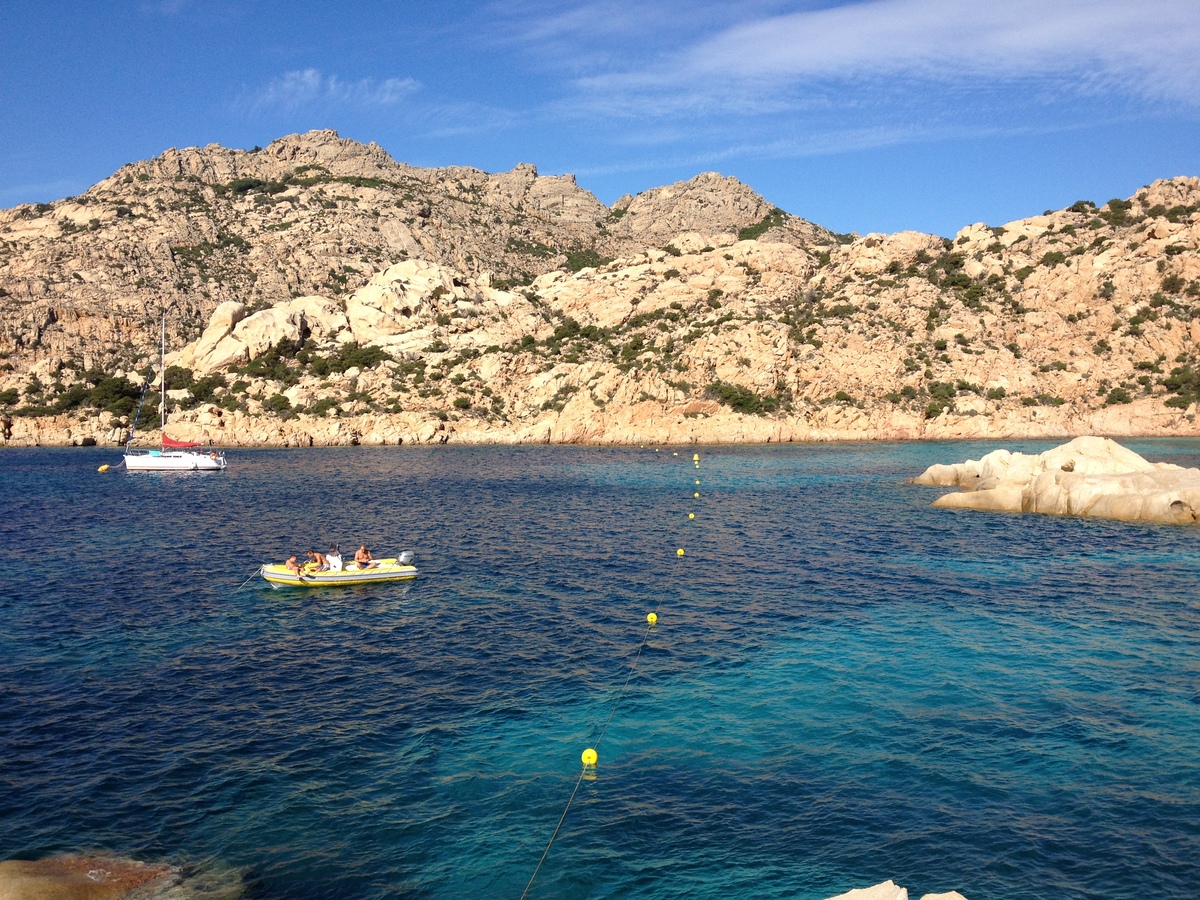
(162, 378)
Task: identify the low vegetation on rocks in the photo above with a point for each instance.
(322, 293)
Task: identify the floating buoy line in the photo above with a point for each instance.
(590, 756)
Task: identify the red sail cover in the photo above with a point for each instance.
(169, 443)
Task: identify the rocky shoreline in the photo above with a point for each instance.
(694, 423)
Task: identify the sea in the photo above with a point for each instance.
(844, 685)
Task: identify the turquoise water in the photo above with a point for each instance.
(844, 685)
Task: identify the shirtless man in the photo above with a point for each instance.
(292, 564)
(316, 562)
(362, 556)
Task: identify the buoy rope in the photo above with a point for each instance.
(550, 844)
(579, 780)
(629, 678)
(651, 620)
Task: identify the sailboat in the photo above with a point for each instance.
(173, 456)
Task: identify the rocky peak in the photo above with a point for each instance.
(709, 203)
(214, 164)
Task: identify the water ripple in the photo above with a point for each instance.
(844, 686)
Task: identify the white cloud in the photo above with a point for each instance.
(948, 39)
(1148, 50)
(308, 88)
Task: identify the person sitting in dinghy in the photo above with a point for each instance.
(333, 558)
(362, 556)
(316, 562)
(293, 565)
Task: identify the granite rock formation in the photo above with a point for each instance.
(1089, 476)
(320, 292)
(889, 890)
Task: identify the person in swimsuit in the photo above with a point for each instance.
(362, 556)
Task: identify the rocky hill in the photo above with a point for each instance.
(322, 293)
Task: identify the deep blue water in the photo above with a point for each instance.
(844, 685)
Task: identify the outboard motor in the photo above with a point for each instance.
(405, 558)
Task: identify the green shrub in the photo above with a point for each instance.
(1116, 211)
(1173, 284)
(740, 399)
(278, 404)
(1184, 382)
(462, 402)
(773, 219)
(942, 391)
(1117, 396)
(578, 260)
(997, 393)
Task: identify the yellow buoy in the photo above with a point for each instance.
(697, 481)
(696, 495)
(691, 515)
(679, 552)
(589, 757)
(674, 454)
(652, 618)
(103, 468)
(696, 457)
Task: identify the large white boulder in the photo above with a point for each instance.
(399, 299)
(1089, 476)
(196, 355)
(232, 338)
(322, 316)
(889, 890)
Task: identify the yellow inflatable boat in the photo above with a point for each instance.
(380, 570)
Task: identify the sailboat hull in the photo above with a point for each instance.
(174, 461)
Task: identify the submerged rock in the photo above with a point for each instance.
(80, 876)
(86, 876)
(1089, 476)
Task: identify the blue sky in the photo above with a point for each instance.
(874, 115)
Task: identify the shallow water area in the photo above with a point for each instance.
(844, 685)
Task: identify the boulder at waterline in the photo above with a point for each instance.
(1089, 476)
